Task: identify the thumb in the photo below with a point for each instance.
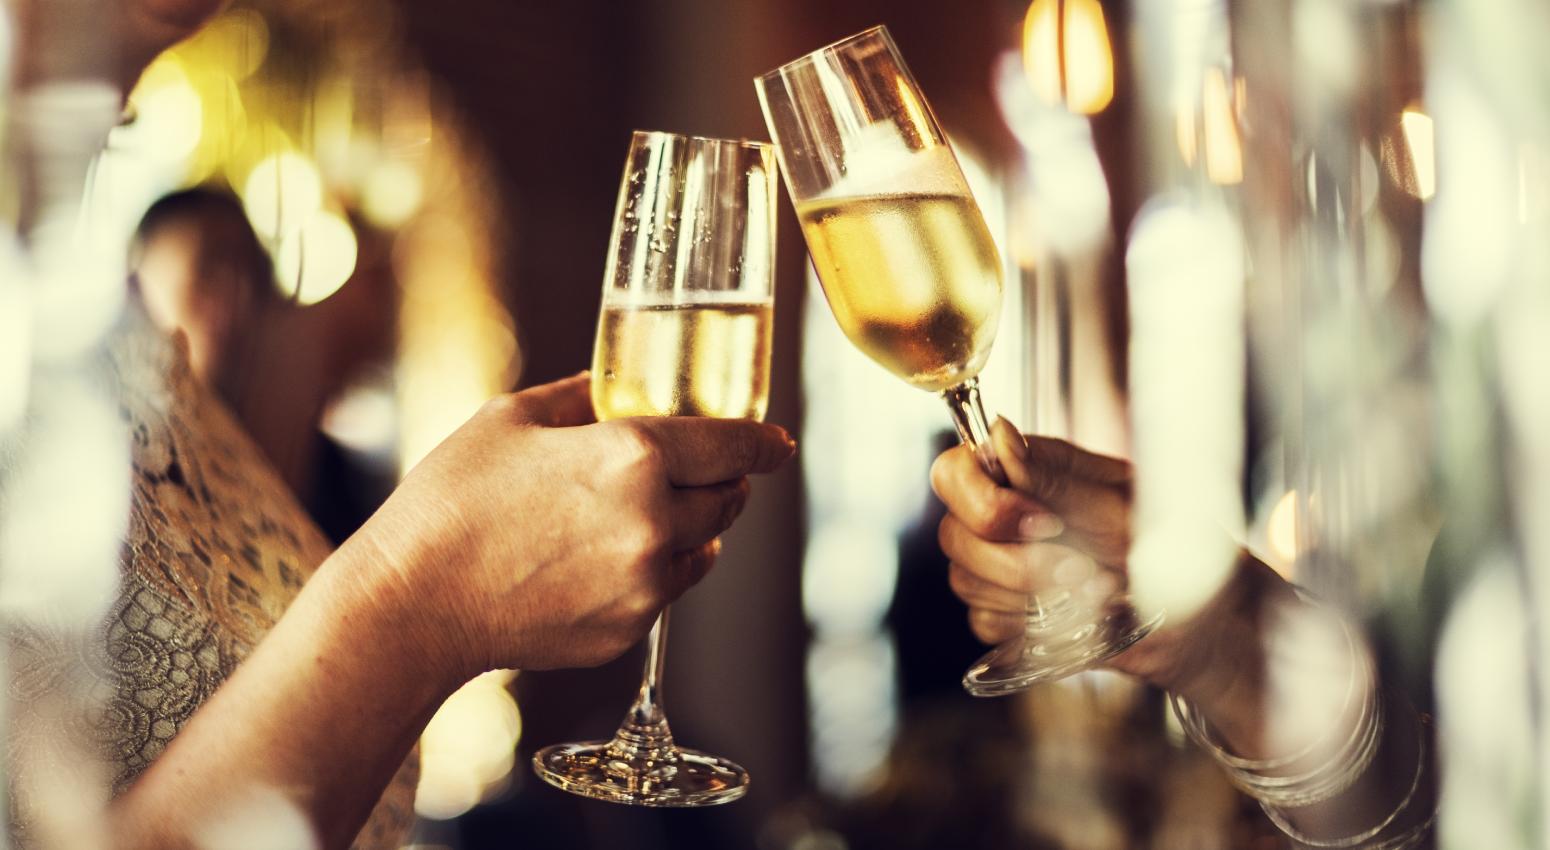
(561, 404)
(1090, 492)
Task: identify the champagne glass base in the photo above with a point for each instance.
(679, 779)
(1043, 656)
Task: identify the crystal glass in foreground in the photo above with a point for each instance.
(913, 277)
(688, 312)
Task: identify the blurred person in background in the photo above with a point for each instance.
(198, 267)
(261, 688)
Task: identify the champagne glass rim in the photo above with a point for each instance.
(746, 144)
(832, 47)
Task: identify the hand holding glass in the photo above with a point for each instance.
(913, 277)
(688, 313)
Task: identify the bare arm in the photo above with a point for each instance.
(323, 713)
(528, 539)
(1268, 670)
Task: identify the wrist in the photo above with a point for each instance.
(391, 622)
(1229, 682)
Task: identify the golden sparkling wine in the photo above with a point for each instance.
(683, 360)
(913, 279)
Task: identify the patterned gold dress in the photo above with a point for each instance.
(217, 548)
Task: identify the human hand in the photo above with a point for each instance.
(1064, 522)
(536, 538)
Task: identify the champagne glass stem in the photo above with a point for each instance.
(1045, 611)
(647, 710)
(973, 428)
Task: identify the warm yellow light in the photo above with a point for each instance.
(237, 41)
(469, 747)
(1067, 56)
(333, 128)
(1089, 63)
(1184, 134)
(1041, 49)
(1207, 131)
(916, 111)
(1281, 530)
(169, 114)
(281, 192)
(316, 258)
(392, 194)
(1224, 154)
(1420, 139)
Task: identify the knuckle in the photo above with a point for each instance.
(638, 608)
(732, 505)
(641, 449)
(983, 624)
(646, 541)
(991, 626)
(1054, 461)
(938, 474)
(985, 513)
(504, 406)
(947, 536)
(962, 582)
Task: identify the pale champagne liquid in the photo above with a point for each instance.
(914, 281)
(683, 360)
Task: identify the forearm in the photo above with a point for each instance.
(1301, 698)
(323, 713)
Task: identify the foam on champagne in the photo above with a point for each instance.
(907, 264)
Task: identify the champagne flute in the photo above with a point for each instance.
(914, 280)
(686, 326)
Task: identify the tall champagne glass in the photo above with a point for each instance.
(686, 325)
(914, 279)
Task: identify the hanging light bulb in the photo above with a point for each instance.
(1067, 56)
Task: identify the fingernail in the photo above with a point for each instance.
(1040, 526)
(1019, 442)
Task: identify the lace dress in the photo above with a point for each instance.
(216, 549)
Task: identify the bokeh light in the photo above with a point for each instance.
(317, 258)
(1223, 153)
(258, 819)
(238, 40)
(281, 193)
(168, 113)
(469, 747)
(1185, 269)
(392, 194)
(61, 531)
(1067, 55)
(1420, 140)
(1281, 530)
